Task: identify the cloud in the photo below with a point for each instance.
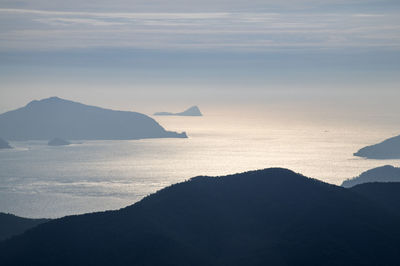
(68, 21)
(199, 6)
(44, 29)
(117, 15)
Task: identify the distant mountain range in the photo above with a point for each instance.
(55, 117)
(388, 149)
(385, 173)
(4, 144)
(266, 217)
(192, 111)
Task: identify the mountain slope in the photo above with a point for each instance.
(385, 194)
(266, 217)
(11, 225)
(55, 117)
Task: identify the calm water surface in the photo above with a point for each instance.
(41, 181)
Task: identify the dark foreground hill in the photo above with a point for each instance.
(387, 194)
(385, 173)
(55, 117)
(387, 149)
(11, 225)
(266, 217)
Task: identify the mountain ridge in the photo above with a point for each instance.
(271, 216)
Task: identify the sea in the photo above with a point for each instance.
(39, 181)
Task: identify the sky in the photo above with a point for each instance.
(147, 55)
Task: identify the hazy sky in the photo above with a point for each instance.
(160, 53)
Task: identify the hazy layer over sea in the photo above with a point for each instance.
(41, 181)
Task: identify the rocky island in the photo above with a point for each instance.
(192, 111)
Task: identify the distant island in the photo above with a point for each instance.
(266, 217)
(192, 111)
(385, 173)
(44, 119)
(58, 142)
(388, 149)
(4, 144)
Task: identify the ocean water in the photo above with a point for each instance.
(41, 181)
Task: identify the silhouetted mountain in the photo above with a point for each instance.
(4, 144)
(192, 111)
(388, 149)
(385, 173)
(58, 142)
(385, 194)
(11, 225)
(266, 217)
(44, 119)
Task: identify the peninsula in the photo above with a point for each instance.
(387, 149)
(44, 119)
